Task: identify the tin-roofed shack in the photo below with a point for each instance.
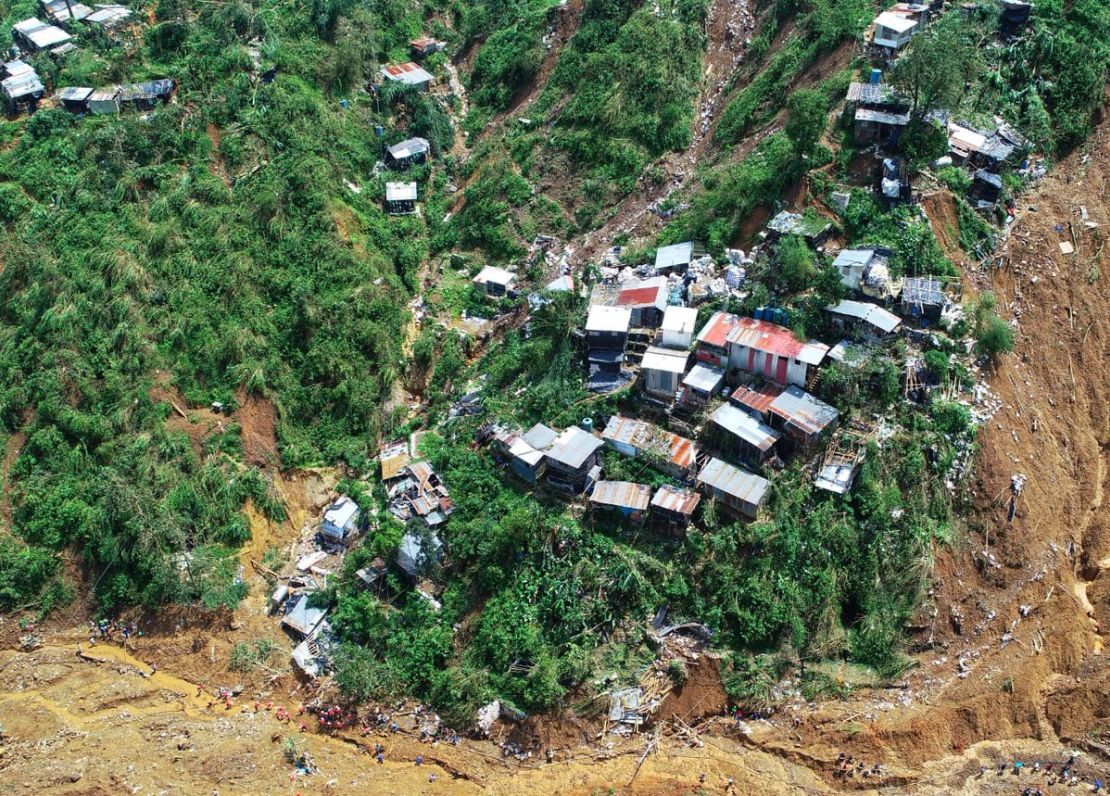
(771, 351)
(663, 369)
(574, 461)
(34, 35)
(625, 499)
(109, 19)
(424, 46)
(400, 198)
(418, 552)
(59, 11)
(738, 490)
(146, 96)
(677, 257)
(702, 383)
(21, 87)
(672, 509)
(75, 98)
(668, 452)
(410, 152)
(607, 335)
(893, 31)
(524, 453)
(864, 320)
(646, 298)
(802, 418)
(105, 101)
(408, 74)
(301, 619)
(742, 435)
(495, 281)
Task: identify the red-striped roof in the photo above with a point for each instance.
(763, 336)
(396, 70)
(760, 400)
(715, 332)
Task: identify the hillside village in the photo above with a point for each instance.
(580, 450)
(712, 397)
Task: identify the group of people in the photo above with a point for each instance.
(106, 630)
(848, 767)
(1055, 774)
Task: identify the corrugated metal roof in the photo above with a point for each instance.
(741, 484)
(669, 360)
(108, 16)
(679, 501)
(774, 339)
(341, 512)
(704, 378)
(740, 424)
(40, 34)
(644, 293)
(540, 436)
(608, 319)
(624, 494)
(922, 290)
(895, 22)
(717, 328)
(758, 399)
(573, 447)
(882, 117)
(853, 257)
(884, 321)
(58, 11)
(409, 147)
(804, 411)
(408, 73)
(880, 94)
(301, 618)
(674, 255)
(75, 94)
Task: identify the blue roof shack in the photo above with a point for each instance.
(341, 520)
(418, 553)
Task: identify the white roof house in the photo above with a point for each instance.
(340, 519)
(852, 264)
(400, 191)
(608, 319)
(704, 378)
(492, 275)
(893, 30)
(744, 427)
(410, 147)
(678, 326)
(668, 360)
(409, 74)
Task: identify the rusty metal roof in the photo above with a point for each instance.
(623, 494)
(759, 399)
(650, 439)
(774, 339)
(733, 481)
(803, 411)
(680, 501)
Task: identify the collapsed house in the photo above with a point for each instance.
(410, 152)
(424, 46)
(624, 499)
(574, 461)
(340, 523)
(300, 618)
(741, 435)
(985, 190)
(864, 320)
(313, 656)
(758, 347)
(418, 494)
(408, 74)
(418, 552)
(923, 298)
(990, 149)
(394, 457)
(400, 198)
(814, 229)
(867, 271)
(737, 490)
(839, 467)
(21, 87)
(495, 281)
(668, 452)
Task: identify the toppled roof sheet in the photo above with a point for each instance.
(674, 255)
(733, 481)
(493, 275)
(882, 117)
(394, 458)
(922, 290)
(679, 501)
(704, 378)
(408, 73)
(774, 339)
(416, 552)
(668, 360)
(301, 618)
(740, 424)
(872, 94)
(803, 411)
(608, 319)
(342, 512)
(797, 224)
(650, 439)
(885, 322)
(573, 447)
(837, 477)
(622, 494)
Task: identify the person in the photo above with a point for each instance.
(381, 758)
(420, 760)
